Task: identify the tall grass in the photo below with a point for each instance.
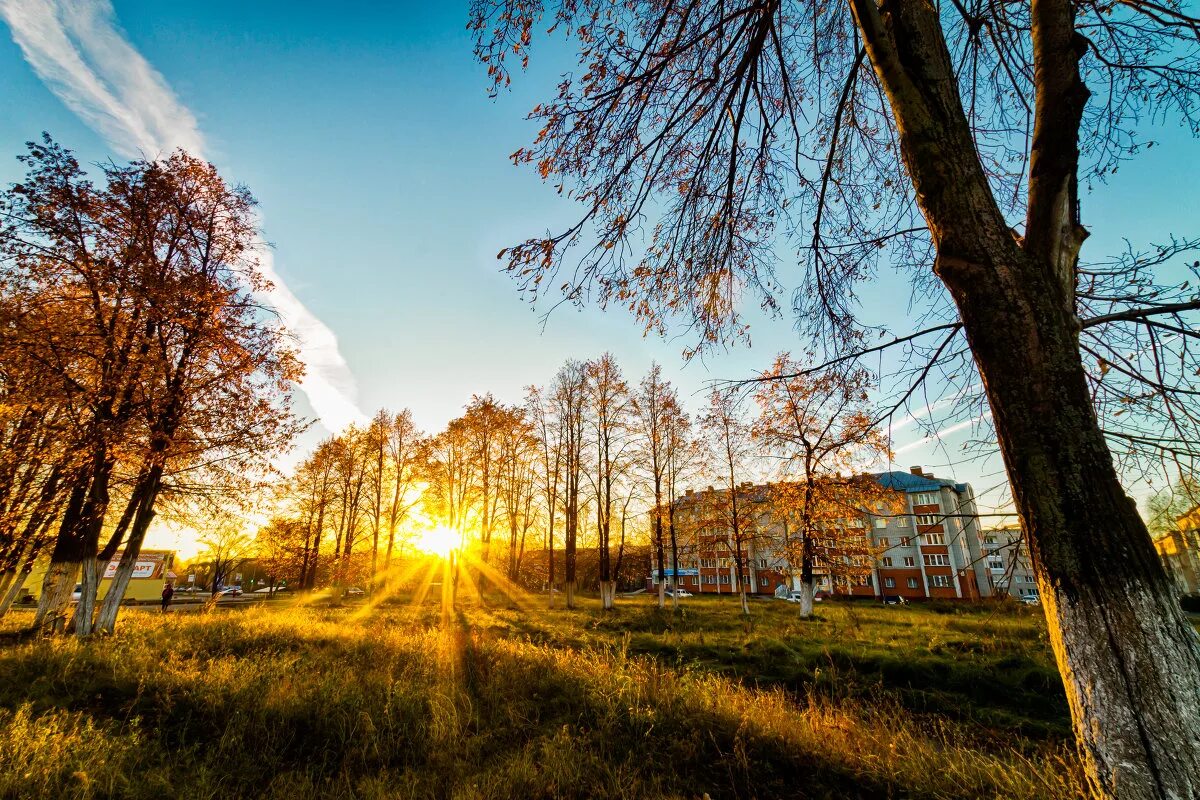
(495, 704)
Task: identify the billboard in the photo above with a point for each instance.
(150, 564)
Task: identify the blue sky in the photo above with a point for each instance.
(382, 168)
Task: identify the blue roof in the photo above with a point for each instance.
(907, 482)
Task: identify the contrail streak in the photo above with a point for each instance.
(78, 51)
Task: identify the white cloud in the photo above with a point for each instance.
(78, 51)
(943, 433)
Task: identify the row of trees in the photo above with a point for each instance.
(138, 375)
(586, 462)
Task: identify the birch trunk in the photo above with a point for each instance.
(570, 587)
(608, 594)
(806, 598)
(86, 608)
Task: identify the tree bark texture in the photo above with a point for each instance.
(1129, 658)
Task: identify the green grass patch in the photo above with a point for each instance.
(499, 702)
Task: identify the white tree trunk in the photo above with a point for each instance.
(570, 594)
(608, 594)
(745, 600)
(14, 589)
(6, 579)
(662, 591)
(806, 599)
(85, 610)
(675, 593)
(57, 587)
(106, 622)
(1168, 652)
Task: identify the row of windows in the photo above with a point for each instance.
(937, 560)
(926, 538)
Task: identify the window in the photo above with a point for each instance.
(929, 519)
(937, 560)
(925, 499)
(889, 583)
(912, 583)
(762, 563)
(909, 561)
(933, 538)
(880, 522)
(887, 561)
(940, 581)
(724, 579)
(996, 564)
(762, 581)
(885, 541)
(902, 522)
(710, 579)
(864, 580)
(989, 540)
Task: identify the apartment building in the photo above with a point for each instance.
(931, 548)
(1180, 552)
(1007, 564)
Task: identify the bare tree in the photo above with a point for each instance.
(951, 140)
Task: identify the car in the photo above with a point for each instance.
(794, 597)
(677, 593)
(78, 593)
(1031, 599)
(229, 591)
(354, 591)
(895, 600)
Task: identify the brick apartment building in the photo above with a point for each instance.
(932, 549)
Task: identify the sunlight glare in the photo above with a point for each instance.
(438, 541)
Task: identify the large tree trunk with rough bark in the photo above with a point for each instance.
(1129, 659)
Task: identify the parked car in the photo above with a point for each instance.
(678, 593)
(354, 591)
(78, 593)
(1031, 599)
(229, 591)
(895, 600)
(794, 597)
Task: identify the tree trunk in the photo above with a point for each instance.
(1129, 659)
(57, 587)
(14, 589)
(608, 594)
(111, 606)
(570, 587)
(806, 597)
(86, 608)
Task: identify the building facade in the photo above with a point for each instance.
(1007, 564)
(931, 548)
(1180, 552)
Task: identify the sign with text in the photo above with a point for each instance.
(150, 564)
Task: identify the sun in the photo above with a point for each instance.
(438, 541)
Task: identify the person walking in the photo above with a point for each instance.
(167, 593)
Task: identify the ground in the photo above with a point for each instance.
(300, 699)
